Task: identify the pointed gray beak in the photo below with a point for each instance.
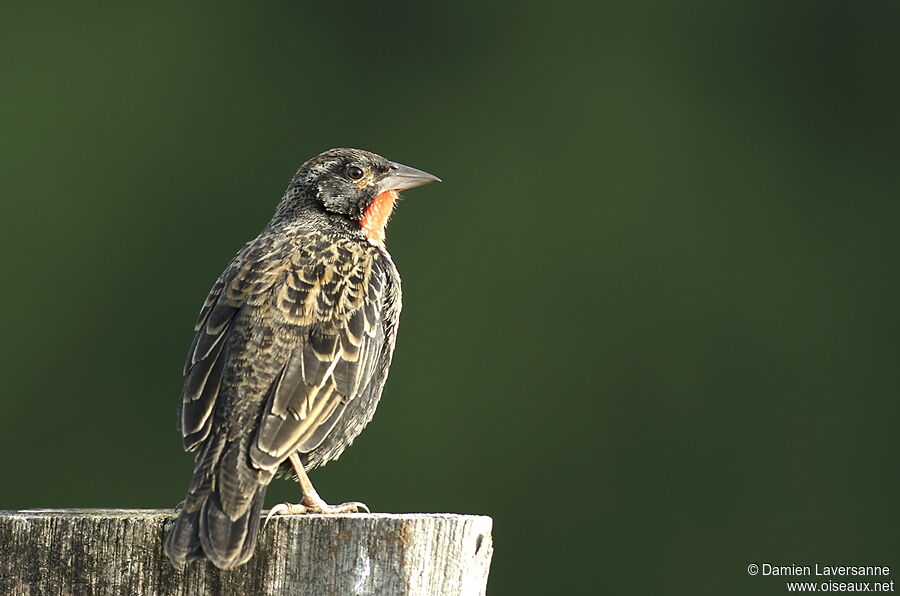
(402, 177)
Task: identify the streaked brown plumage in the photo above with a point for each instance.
(291, 352)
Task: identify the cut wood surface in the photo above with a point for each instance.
(119, 551)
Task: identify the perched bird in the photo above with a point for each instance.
(291, 351)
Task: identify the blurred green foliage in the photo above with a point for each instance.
(651, 316)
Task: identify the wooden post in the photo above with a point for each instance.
(119, 551)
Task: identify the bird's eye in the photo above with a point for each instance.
(354, 172)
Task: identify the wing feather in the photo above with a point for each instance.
(341, 335)
(242, 283)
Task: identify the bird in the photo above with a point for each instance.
(291, 352)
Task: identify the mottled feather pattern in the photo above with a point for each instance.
(336, 361)
(290, 354)
(322, 302)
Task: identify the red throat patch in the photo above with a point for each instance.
(377, 214)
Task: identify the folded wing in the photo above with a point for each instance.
(336, 306)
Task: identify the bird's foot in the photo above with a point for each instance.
(315, 505)
(285, 509)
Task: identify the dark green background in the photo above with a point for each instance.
(650, 317)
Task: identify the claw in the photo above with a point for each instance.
(314, 506)
(351, 507)
(285, 509)
(359, 506)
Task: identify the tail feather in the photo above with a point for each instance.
(204, 528)
(208, 532)
(183, 544)
(226, 542)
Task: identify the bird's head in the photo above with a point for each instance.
(358, 185)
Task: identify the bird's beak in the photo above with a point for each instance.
(401, 177)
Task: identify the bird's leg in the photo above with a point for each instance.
(311, 502)
(311, 499)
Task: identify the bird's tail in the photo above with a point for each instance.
(206, 528)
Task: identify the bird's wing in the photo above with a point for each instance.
(335, 304)
(244, 281)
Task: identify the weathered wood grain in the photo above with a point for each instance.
(112, 551)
